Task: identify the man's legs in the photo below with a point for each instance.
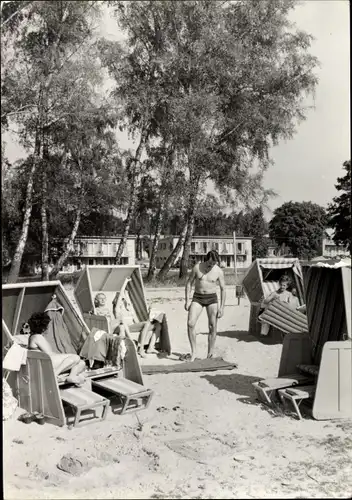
(212, 310)
(193, 315)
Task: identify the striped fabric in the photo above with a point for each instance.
(325, 307)
(136, 293)
(281, 316)
(258, 281)
(269, 287)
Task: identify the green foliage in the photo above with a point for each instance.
(339, 210)
(300, 226)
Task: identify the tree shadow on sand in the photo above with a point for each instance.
(273, 338)
(242, 385)
(234, 382)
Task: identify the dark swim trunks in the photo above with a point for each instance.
(205, 299)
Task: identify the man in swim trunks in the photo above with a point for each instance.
(205, 276)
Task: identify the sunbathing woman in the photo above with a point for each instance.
(149, 330)
(62, 363)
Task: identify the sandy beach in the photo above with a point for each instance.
(204, 435)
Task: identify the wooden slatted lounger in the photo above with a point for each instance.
(265, 389)
(296, 395)
(132, 395)
(81, 400)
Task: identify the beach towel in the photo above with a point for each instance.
(57, 333)
(15, 357)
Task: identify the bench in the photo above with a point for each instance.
(132, 395)
(296, 395)
(80, 400)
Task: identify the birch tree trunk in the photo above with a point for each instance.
(194, 181)
(69, 246)
(159, 226)
(43, 214)
(173, 255)
(42, 98)
(187, 244)
(17, 258)
(133, 195)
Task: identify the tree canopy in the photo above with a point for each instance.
(300, 226)
(339, 210)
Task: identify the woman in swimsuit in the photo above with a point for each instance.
(205, 276)
(72, 363)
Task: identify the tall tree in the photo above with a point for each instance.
(258, 228)
(50, 34)
(300, 226)
(339, 210)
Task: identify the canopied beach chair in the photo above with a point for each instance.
(35, 385)
(317, 366)
(115, 281)
(262, 278)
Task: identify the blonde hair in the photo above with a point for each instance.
(96, 303)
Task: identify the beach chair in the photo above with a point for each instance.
(262, 278)
(35, 385)
(324, 355)
(112, 280)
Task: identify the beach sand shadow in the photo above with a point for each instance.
(273, 338)
(234, 382)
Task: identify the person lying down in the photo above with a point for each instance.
(38, 325)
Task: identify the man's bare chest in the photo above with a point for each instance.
(208, 277)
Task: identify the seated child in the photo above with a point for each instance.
(281, 294)
(62, 363)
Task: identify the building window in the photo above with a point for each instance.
(240, 247)
(91, 262)
(193, 247)
(106, 262)
(204, 246)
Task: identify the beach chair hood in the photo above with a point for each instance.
(110, 280)
(257, 286)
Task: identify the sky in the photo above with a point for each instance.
(306, 167)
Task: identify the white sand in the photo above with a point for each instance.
(203, 436)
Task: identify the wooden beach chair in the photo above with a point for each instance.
(35, 385)
(262, 278)
(112, 280)
(324, 355)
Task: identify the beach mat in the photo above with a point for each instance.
(198, 365)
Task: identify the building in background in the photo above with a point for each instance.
(329, 248)
(99, 250)
(201, 245)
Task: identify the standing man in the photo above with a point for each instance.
(205, 276)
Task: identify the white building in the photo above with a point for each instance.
(99, 250)
(201, 245)
(330, 249)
